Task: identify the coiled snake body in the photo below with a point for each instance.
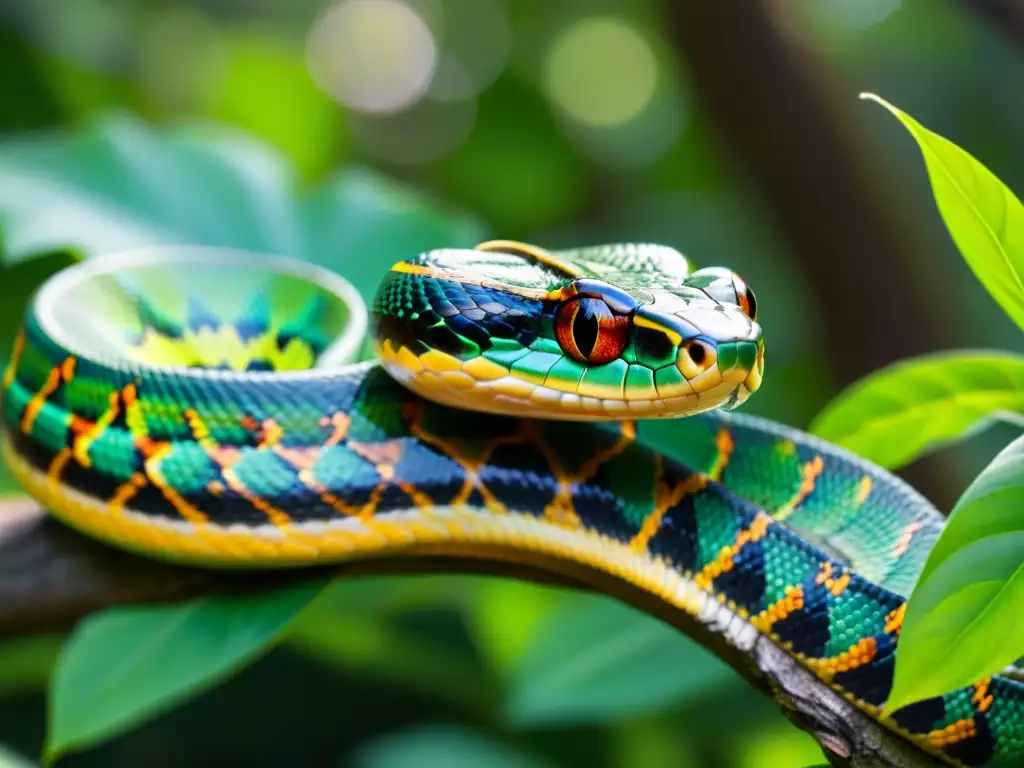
(201, 408)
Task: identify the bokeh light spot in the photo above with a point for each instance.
(375, 56)
(601, 71)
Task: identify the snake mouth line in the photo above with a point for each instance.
(514, 397)
(482, 385)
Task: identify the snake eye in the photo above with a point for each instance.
(589, 332)
(745, 296)
(696, 356)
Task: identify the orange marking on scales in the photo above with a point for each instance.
(93, 430)
(826, 577)
(125, 492)
(340, 424)
(809, 477)
(272, 434)
(903, 544)
(57, 465)
(725, 445)
(200, 431)
(277, 517)
(894, 621)
(665, 498)
(12, 367)
(134, 417)
(386, 454)
(269, 435)
(303, 460)
(959, 731)
(226, 457)
(725, 559)
(385, 457)
(471, 466)
(561, 509)
(53, 381)
(157, 452)
(299, 458)
(307, 478)
(791, 602)
(981, 697)
(857, 655)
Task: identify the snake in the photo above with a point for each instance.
(226, 410)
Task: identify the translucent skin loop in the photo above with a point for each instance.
(151, 408)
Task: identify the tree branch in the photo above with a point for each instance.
(51, 576)
(1005, 16)
(847, 736)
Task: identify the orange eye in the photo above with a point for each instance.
(589, 332)
(745, 296)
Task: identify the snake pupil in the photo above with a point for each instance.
(589, 332)
(751, 303)
(585, 325)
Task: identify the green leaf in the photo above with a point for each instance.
(506, 617)
(126, 665)
(10, 759)
(984, 218)
(963, 619)
(442, 745)
(349, 627)
(989, 507)
(359, 225)
(260, 67)
(598, 660)
(121, 184)
(901, 412)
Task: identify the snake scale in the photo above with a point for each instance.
(202, 407)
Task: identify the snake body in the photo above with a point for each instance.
(202, 411)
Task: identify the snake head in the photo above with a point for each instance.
(531, 333)
(709, 323)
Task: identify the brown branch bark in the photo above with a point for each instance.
(1005, 16)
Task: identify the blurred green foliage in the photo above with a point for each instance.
(388, 673)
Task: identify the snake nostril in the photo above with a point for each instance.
(696, 356)
(697, 353)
